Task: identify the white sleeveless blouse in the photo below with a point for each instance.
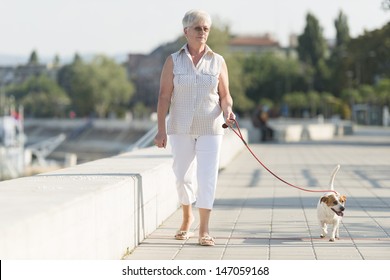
(195, 107)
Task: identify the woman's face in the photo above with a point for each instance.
(197, 33)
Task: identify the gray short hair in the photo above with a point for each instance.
(194, 16)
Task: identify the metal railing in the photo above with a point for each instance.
(145, 141)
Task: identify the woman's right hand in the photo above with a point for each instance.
(161, 140)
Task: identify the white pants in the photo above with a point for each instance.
(196, 164)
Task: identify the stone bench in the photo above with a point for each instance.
(287, 132)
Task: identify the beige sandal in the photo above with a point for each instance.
(206, 240)
(183, 235)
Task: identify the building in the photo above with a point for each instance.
(145, 70)
(19, 74)
(254, 44)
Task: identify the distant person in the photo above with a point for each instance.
(260, 120)
(194, 88)
(72, 115)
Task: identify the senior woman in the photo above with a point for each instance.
(194, 89)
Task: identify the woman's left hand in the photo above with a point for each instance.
(230, 118)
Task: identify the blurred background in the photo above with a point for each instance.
(79, 80)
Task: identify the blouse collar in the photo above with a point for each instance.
(185, 49)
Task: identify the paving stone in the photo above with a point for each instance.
(256, 216)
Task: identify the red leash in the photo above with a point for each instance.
(238, 133)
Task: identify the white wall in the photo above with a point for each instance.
(97, 210)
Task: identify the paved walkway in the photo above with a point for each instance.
(256, 217)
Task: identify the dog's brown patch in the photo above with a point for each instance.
(331, 200)
(324, 199)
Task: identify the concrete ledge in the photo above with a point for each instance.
(312, 129)
(320, 131)
(288, 132)
(97, 210)
(344, 128)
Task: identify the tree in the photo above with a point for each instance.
(330, 104)
(238, 84)
(270, 76)
(383, 92)
(365, 94)
(338, 59)
(368, 94)
(219, 38)
(312, 49)
(351, 96)
(314, 103)
(77, 59)
(99, 88)
(342, 30)
(56, 61)
(40, 96)
(75, 79)
(296, 102)
(369, 56)
(218, 42)
(67, 73)
(33, 60)
(311, 44)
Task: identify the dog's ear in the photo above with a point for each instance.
(343, 198)
(324, 199)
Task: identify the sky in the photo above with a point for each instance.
(113, 27)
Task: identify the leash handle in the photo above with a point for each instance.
(239, 134)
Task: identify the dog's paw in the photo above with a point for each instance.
(322, 236)
(331, 240)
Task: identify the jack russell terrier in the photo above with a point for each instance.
(330, 209)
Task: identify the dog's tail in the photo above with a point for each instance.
(334, 172)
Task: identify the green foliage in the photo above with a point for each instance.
(109, 85)
(312, 46)
(312, 103)
(312, 51)
(368, 94)
(351, 72)
(238, 83)
(383, 91)
(351, 96)
(99, 87)
(33, 60)
(56, 61)
(342, 31)
(369, 56)
(218, 41)
(219, 37)
(271, 76)
(338, 61)
(356, 71)
(322, 76)
(296, 102)
(40, 96)
(141, 111)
